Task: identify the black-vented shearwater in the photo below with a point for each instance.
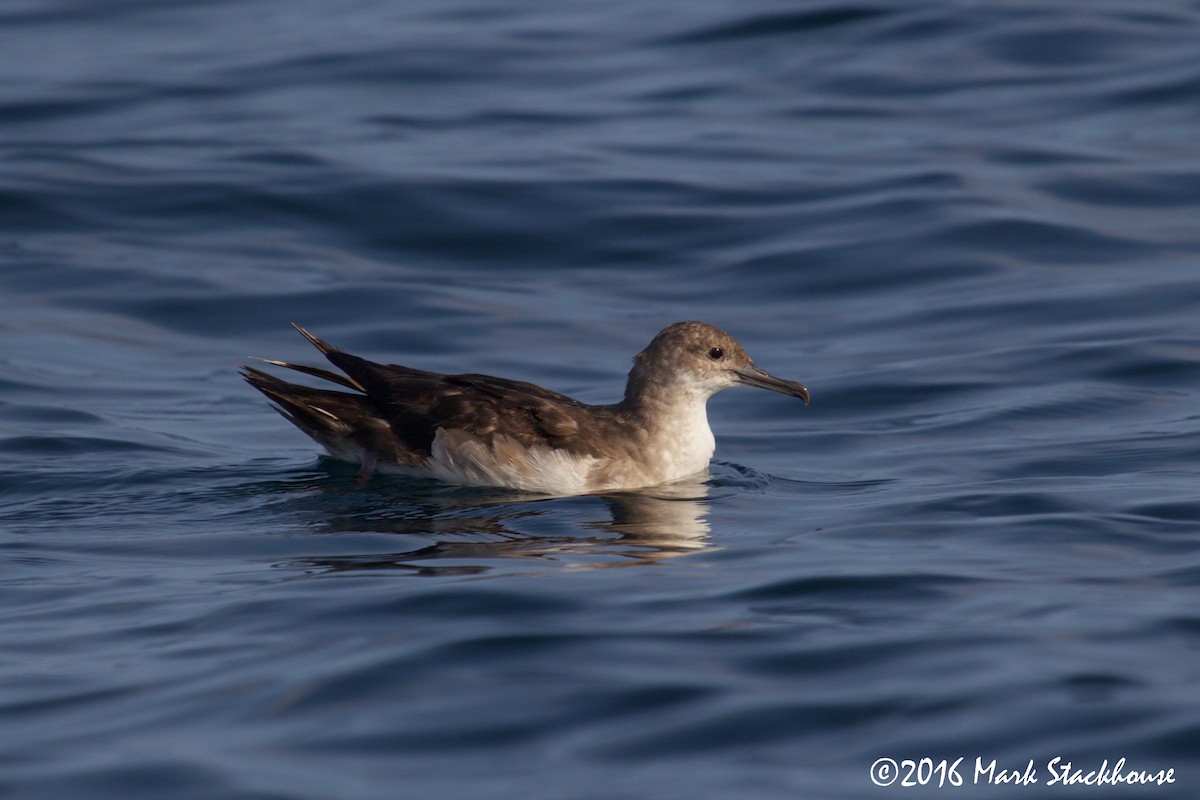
(485, 431)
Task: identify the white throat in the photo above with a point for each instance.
(682, 438)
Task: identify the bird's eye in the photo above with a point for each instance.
(716, 354)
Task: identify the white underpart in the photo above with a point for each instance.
(458, 457)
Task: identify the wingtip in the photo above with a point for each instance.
(256, 377)
(323, 346)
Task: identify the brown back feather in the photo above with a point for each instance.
(416, 403)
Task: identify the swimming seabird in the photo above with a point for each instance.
(485, 431)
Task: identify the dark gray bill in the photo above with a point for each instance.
(753, 376)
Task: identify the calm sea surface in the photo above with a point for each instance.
(971, 228)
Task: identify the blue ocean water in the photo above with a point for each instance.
(972, 229)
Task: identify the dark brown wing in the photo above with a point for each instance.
(401, 409)
(418, 403)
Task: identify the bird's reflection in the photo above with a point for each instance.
(466, 531)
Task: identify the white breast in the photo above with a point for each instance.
(685, 442)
